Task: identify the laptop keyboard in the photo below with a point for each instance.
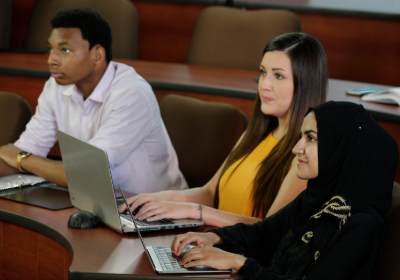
(168, 261)
(161, 222)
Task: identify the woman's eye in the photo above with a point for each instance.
(278, 76)
(310, 138)
(262, 72)
(66, 51)
(50, 49)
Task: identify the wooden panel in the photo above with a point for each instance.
(26, 254)
(1, 249)
(357, 48)
(165, 30)
(67, 264)
(21, 13)
(19, 252)
(28, 87)
(51, 259)
(394, 130)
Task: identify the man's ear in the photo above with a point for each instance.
(99, 54)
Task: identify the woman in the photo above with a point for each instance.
(332, 230)
(259, 176)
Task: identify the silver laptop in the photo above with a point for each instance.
(91, 187)
(162, 259)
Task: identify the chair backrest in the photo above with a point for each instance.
(120, 14)
(15, 113)
(230, 37)
(202, 133)
(5, 23)
(389, 264)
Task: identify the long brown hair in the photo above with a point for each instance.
(310, 76)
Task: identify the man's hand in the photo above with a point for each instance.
(9, 154)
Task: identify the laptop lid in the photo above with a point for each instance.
(91, 186)
(89, 179)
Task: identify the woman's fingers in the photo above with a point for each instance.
(176, 243)
(195, 256)
(141, 200)
(213, 257)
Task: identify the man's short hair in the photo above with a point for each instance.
(94, 27)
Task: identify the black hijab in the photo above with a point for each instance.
(357, 161)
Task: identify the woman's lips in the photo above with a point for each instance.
(301, 162)
(266, 99)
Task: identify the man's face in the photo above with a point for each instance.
(70, 60)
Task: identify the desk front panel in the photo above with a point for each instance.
(37, 244)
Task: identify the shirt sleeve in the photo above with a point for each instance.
(40, 133)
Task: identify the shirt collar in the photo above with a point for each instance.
(99, 93)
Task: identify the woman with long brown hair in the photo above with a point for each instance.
(259, 176)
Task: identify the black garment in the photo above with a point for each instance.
(357, 161)
(334, 229)
(351, 254)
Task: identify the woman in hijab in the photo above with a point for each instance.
(334, 229)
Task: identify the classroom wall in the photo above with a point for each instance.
(358, 48)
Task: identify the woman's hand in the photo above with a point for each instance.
(137, 200)
(213, 257)
(157, 210)
(181, 241)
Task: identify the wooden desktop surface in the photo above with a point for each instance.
(19, 70)
(37, 244)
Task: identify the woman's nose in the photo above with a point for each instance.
(298, 148)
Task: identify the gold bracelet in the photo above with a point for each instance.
(21, 156)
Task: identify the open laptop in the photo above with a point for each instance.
(162, 259)
(91, 187)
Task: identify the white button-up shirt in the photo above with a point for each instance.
(122, 117)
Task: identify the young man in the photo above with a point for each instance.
(99, 101)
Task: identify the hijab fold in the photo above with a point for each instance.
(357, 161)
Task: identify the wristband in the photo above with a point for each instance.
(201, 212)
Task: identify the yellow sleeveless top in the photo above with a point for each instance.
(235, 188)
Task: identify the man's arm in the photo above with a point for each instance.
(51, 170)
(5, 169)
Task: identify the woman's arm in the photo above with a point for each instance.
(202, 195)
(258, 240)
(290, 188)
(354, 251)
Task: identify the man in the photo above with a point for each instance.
(99, 101)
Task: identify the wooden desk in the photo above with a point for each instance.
(25, 74)
(37, 244)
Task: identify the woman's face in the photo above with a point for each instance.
(307, 149)
(276, 85)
